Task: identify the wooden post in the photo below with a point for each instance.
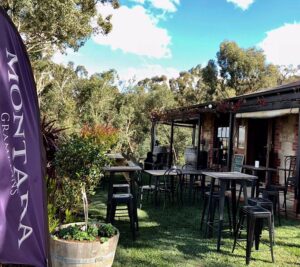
(297, 195)
(171, 145)
(194, 135)
(152, 136)
(198, 141)
(269, 142)
(230, 140)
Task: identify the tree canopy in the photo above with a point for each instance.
(244, 70)
(75, 99)
(50, 25)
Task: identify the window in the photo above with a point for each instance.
(241, 137)
(221, 145)
(221, 139)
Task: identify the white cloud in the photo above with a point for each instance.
(78, 59)
(128, 74)
(135, 31)
(243, 4)
(147, 71)
(138, 1)
(165, 5)
(282, 45)
(64, 58)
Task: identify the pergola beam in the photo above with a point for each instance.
(297, 195)
(171, 145)
(198, 141)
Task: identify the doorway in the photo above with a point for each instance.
(257, 143)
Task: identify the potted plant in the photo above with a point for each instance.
(77, 245)
(78, 164)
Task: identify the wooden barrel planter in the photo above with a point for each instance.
(66, 253)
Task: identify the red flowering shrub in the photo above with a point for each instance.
(106, 136)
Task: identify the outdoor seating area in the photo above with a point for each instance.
(170, 234)
(231, 212)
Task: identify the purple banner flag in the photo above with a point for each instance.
(23, 231)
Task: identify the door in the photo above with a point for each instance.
(257, 143)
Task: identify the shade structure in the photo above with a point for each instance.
(23, 231)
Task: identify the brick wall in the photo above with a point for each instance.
(208, 135)
(285, 141)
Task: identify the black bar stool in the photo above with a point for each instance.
(118, 188)
(255, 216)
(119, 199)
(266, 204)
(273, 196)
(215, 203)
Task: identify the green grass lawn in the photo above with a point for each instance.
(171, 237)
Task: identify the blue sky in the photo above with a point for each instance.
(152, 37)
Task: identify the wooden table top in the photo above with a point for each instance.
(160, 172)
(192, 172)
(260, 168)
(229, 175)
(122, 168)
(115, 156)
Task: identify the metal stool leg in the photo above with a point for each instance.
(284, 203)
(112, 212)
(131, 218)
(270, 226)
(229, 214)
(250, 235)
(203, 212)
(257, 232)
(236, 231)
(141, 197)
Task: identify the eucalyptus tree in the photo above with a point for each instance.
(244, 70)
(95, 98)
(210, 80)
(57, 99)
(187, 88)
(50, 25)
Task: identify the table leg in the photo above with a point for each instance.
(192, 178)
(244, 184)
(156, 191)
(172, 178)
(254, 172)
(133, 192)
(268, 179)
(221, 212)
(253, 186)
(202, 177)
(208, 230)
(109, 195)
(233, 203)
